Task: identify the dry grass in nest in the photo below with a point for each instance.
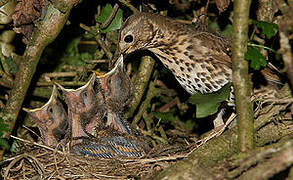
(36, 161)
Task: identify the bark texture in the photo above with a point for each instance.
(241, 80)
(44, 33)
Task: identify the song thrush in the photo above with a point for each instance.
(117, 89)
(109, 144)
(86, 109)
(51, 120)
(199, 60)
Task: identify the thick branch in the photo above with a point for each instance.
(219, 148)
(240, 75)
(140, 83)
(225, 145)
(285, 28)
(43, 34)
(265, 170)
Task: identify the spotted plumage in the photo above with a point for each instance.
(200, 61)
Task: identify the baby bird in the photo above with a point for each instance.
(117, 89)
(51, 120)
(86, 109)
(110, 143)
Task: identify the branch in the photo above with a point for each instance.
(285, 27)
(241, 81)
(281, 160)
(43, 34)
(217, 149)
(126, 3)
(140, 83)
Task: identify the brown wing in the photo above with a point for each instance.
(219, 48)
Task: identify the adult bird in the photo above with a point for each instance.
(199, 60)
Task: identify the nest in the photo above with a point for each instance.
(36, 161)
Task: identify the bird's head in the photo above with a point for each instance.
(136, 33)
(82, 99)
(51, 120)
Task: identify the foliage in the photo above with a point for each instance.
(208, 104)
(253, 53)
(257, 59)
(115, 23)
(11, 65)
(3, 128)
(268, 29)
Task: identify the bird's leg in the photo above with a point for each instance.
(219, 125)
(218, 121)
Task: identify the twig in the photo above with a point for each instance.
(278, 101)
(88, 42)
(169, 105)
(240, 78)
(63, 83)
(152, 92)
(140, 83)
(31, 131)
(153, 136)
(39, 167)
(37, 144)
(162, 132)
(110, 18)
(152, 160)
(214, 134)
(60, 74)
(98, 61)
(98, 38)
(132, 8)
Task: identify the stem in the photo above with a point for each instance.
(140, 83)
(261, 46)
(241, 80)
(132, 8)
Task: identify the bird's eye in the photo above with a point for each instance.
(50, 110)
(128, 39)
(52, 117)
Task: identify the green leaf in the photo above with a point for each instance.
(256, 58)
(105, 13)
(72, 46)
(11, 65)
(269, 29)
(3, 128)
(4, 143)
(85, 56)
(165, 117)
(116, 22)
(190, 124)
(208, 104)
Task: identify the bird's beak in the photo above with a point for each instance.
(53, 98)
(117, 55)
